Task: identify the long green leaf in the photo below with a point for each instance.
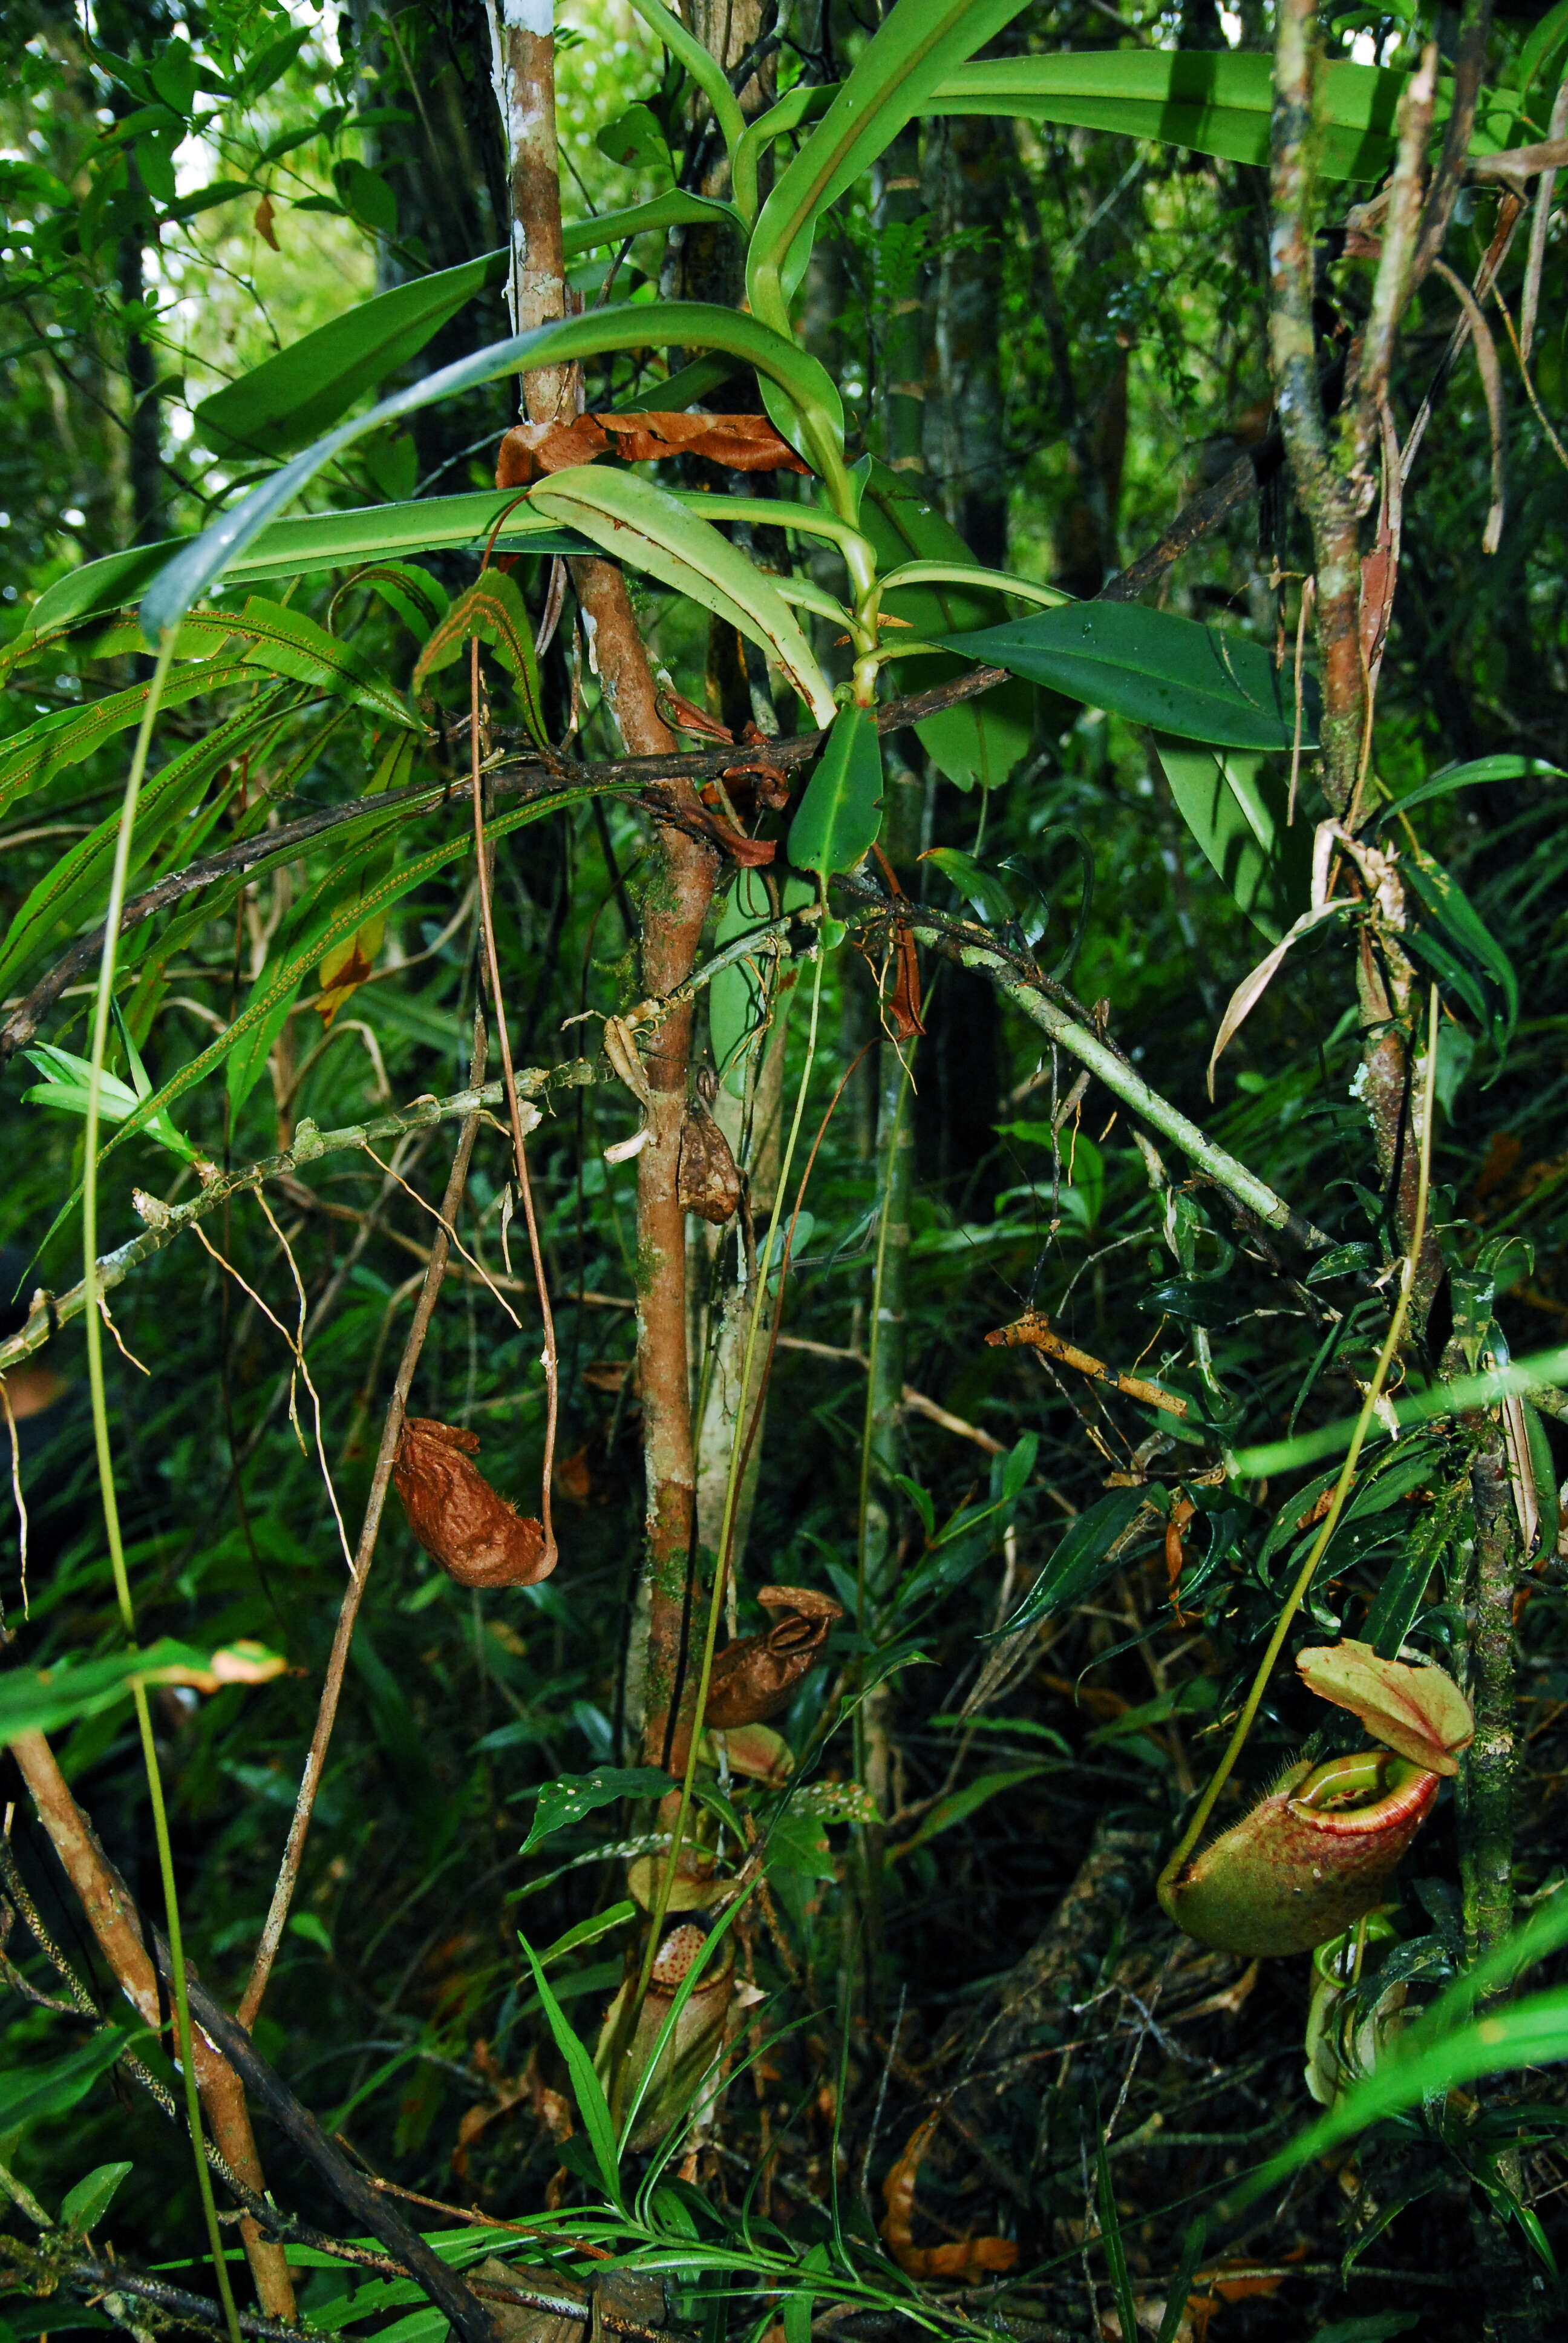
(917, 46)
(1502, 768)
(298, 549)
(1237, 807)
(68, 736)
(644, 524)
(587, 2088)
(73, 881)
(287, 642)
(690, 325)
(675, 210)
(29, 2093)
(842, 812)
(290, 398)
(1151, 667)
(983, 740)
(1209, 101)
(1531, 2033)
(1081, 1559)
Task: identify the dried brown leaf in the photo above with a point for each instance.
(479, 1539)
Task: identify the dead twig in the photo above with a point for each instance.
(365, 1553)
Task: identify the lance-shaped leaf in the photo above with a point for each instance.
(640, 522)
(281, 981)
(298, 549)
(917, 44)
(1418, 1711)
(76, 880)
(67, 1084)
(842, 810)
(690, 325)
(287, 642)
(68, 735)
(304, 388)
(1151, 667)
(493, 609)
(1208, 101)
(1253, 985)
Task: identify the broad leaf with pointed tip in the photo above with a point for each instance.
(842, 810)
(1151, 667)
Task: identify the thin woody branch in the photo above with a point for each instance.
(116, 1924)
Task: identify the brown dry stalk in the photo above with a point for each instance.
(114, 1921)
(548, 1356)
(365, 1553)
(1032, 1333)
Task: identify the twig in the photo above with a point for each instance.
(50, 1312)
(1491, 384)
(1535, 260)
(116, 1924)
(1324, 495)
(1032, 1331)
(352, 2187)
(365, 1553)
(1470, 63)
(547, 1360)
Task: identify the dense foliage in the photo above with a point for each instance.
(935, 2049)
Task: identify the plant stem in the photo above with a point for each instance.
(103, 997)
(1488, 1769)
(1297, 1595)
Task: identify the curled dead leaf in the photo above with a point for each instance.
(1420, 1712)
(754, 1676)
(967, 2259)
(742, 443)
(479, 1539)
(707, 1178)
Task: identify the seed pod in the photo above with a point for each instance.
(1314, 1854)
(754, 1676)
(462, 1522)
(709, 1181)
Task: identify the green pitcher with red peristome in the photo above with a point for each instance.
(1320, 1847)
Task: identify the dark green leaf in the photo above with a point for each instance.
(90, 2199)
(842, 812)
(636, 142)
(1148, 665)
(573, 1797)
(1236, 806)
(30, 2093)
(983, 741)
(1465, 776)
(587, 2089)
(690, 325)
(1080, 1562)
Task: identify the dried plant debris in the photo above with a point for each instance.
(462, 1522)
(709, 1175)
(754, 1676)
